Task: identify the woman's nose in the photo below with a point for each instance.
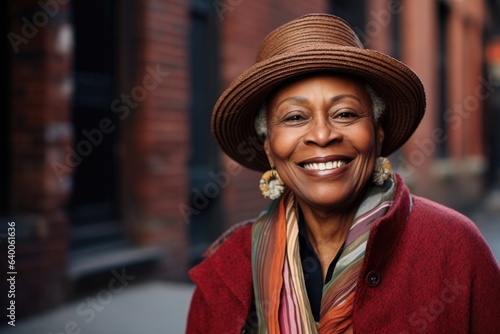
(322, 132)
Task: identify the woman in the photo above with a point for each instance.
(343, 247)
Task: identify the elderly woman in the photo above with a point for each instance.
(343, 247)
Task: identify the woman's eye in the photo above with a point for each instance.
(346, 114)
(294, 118)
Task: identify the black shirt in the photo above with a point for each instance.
(313, 276)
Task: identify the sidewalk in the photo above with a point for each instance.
(151, 308)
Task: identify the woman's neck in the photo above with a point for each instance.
(327, 231)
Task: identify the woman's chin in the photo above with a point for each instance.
(326, 200)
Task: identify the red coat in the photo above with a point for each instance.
(429, 272)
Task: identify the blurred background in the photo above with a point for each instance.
(109, 168)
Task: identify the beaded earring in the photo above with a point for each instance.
(382, 171)
(271, 185)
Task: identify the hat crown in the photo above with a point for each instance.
(308, 30)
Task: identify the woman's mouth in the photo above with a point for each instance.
(325, 165)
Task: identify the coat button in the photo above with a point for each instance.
(373, 278)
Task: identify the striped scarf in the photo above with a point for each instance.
(280, 293)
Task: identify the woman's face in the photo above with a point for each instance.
(323, 139)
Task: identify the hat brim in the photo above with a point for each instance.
(235, 111)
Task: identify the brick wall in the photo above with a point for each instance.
(154, 140)
(41, 69)
(156, 134)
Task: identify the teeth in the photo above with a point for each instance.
(325, 165)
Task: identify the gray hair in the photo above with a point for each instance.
(378, 107)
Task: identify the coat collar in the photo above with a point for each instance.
(386, 232)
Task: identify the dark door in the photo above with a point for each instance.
(5, 143)
(206, 224)
(94, 198)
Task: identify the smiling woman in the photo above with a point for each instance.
(343, 247)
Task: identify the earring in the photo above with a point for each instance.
(271, 185)
(382, 171)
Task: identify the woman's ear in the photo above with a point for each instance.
(380, 138)
(267, 149)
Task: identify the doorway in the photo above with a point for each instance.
(5, 142)
(94, 201)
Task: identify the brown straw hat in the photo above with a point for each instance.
(314, 43)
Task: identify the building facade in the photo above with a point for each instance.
(108, 160)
